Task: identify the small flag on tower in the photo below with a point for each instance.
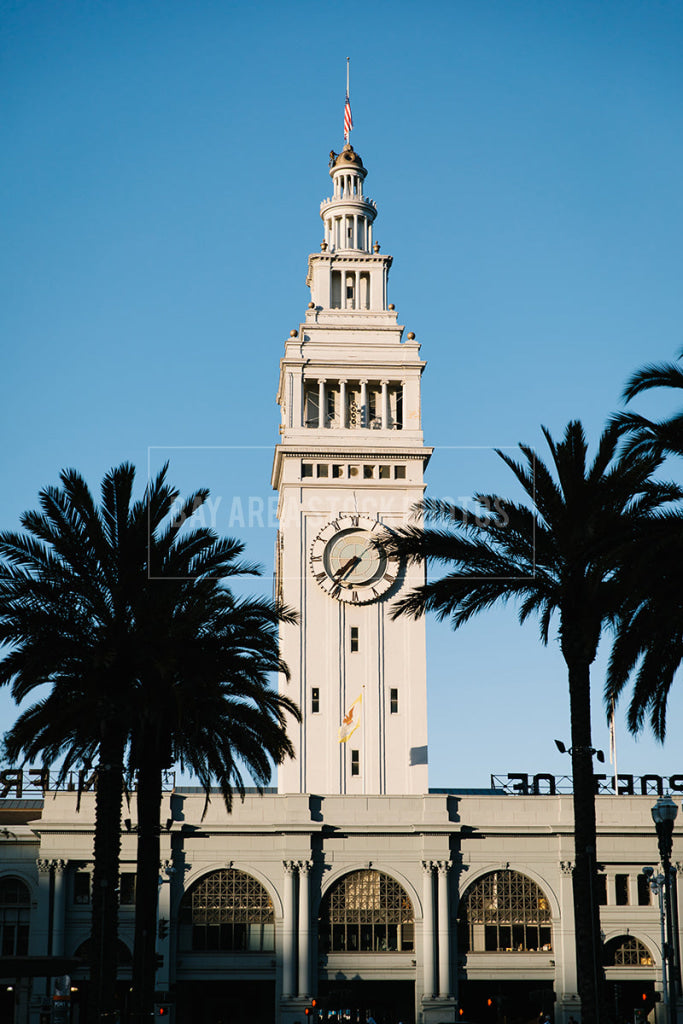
(351, 720)
(348, 120)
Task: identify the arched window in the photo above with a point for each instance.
(505, 912)
(229, 911)
(626, 951)
(15, 913)
(366, 912)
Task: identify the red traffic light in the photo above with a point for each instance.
(163, 1011)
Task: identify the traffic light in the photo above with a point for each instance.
(158, 961)
(311, 1011)
(648, 1000)
(162, 1010)
(163, 928)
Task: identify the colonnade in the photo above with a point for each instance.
(384, 421)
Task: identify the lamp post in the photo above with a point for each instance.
(664, 814)
(656, 883)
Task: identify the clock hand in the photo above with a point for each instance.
(345, 568)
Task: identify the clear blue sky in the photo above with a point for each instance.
(164, 163)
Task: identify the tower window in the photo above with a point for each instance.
(355, 762)
(353, 470)
(643, 891)
(323, 469)
(311, 405)
(621, 886)
(306, 469)
(399, 472)
(393, 701)
(337, 471)
(354, 639)
(602, 890)
(331, 405)
(336, 289)
(368, 472)
(384, 472)
(315, 700)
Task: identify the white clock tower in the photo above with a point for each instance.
(350, 463)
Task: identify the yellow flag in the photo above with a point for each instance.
(351, 720)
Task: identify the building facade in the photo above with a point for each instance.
(352, 885)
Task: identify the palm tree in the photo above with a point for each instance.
(658, 437)
(121, 609)
(556, 557)
(63, 611)
(649, 647)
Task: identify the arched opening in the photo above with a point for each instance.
(626, 951)
(505, 912)
(366, 912)
(227, 911)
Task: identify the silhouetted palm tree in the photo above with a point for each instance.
(656, 437)
(556, 557)
(122, 610)
(648, 648)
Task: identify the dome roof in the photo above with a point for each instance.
(347, 158)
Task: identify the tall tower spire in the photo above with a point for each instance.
(350, 463)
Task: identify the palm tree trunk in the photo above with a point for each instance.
(590, 973)
(105, 903)
(147, 885)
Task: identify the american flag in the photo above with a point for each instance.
(348, 120)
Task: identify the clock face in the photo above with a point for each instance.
(348, 563)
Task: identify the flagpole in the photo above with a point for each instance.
(348, 61)
(613, 747)
(365, 751)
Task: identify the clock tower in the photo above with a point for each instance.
(350, 464)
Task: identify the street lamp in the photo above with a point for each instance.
(656, 883)
(664, 814)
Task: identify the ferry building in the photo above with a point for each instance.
(352, 884)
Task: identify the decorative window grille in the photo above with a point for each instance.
(15, 912)
(506, 912)
(366, 912)
(627, 951)
(228, 911)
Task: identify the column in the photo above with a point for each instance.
(288, 949)
(443, 867)
(364, 403)
(166, 942)
(428, 933)
(355, 230)
(39, 930)
(385, 400)
(304, 930)
(322, 417)
(58, 919)
(404, 403)
(342, 403)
